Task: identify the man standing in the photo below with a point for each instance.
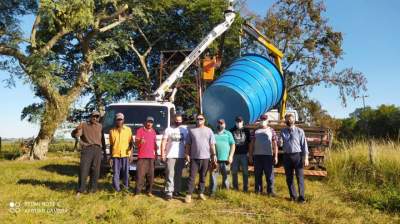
(147, 148)
(264, 148)
(225, 148)
(121, 146)
(295, 156)
(200, 147)
(92, 143)
(242, 139)
(173, 152)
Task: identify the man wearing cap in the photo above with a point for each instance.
(121, 146)
(295, 156)
(173, 152)
(200, 148)
(264, 153)
(92, 144)
(147, 149)
(225, 148)
(242, 138)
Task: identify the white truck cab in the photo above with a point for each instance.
(135, 116)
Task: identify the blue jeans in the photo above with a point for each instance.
(293, 163)
(240, 160)
(120, 166)
(263, 164)
(223, 169)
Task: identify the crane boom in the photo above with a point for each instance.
(201, 47)
(276, 53)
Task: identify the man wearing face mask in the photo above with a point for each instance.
(200, 148)
(173, 152)
(264, 152)
(147, 149)
(121, 143)
(242, 138)
(295, 156)
(225, 148)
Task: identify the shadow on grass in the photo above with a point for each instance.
(62, 169)
(61, 186)
(52, 185)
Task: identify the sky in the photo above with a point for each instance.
(371, 31)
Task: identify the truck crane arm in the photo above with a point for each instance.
(275, 52)
(159, 94)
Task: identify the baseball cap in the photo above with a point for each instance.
(149, 118)
(119, 116)
(95, 113)
(239, 119)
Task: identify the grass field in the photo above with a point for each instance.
(43, 192)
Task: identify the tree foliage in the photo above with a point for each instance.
(381, 123)
(312, 49)
(58, 57)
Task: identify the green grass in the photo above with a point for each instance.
(50, 184)
(376, 183)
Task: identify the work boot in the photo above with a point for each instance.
(202, 197)
(188, 198)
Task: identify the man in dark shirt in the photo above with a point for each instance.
(241, 135)
(92, 143)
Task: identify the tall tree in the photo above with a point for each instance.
(311, 47)
(58, 57)
(162, 25)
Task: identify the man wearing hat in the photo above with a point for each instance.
(225, 148)
(92, 144)
(121, 146)
(264, 153)
(147, 149)
(242, 138)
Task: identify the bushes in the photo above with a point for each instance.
(13, 150)
(375, 182)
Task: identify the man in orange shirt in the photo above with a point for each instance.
(121, 144)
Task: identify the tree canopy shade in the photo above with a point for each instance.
(58, 57)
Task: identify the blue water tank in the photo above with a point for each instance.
(249, 87)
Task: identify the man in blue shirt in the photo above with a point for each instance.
(295, 156)
(225, 148)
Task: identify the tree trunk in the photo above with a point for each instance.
(55, 113)
(100, 104)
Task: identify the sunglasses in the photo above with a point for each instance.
(219, 122)
(119, 119)
(200, 119)
(95, 116)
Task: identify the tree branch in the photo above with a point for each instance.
(53, 40)
(116, 14)
(13, 52)
(33, 32)
(114, 24)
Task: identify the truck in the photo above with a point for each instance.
(162, 109)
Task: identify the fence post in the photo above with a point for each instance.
(371, 152)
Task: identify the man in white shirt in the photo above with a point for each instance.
(264, 153)
(173, 152)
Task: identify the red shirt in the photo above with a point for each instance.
(148, 149)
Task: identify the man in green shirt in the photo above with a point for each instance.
(225, 148)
